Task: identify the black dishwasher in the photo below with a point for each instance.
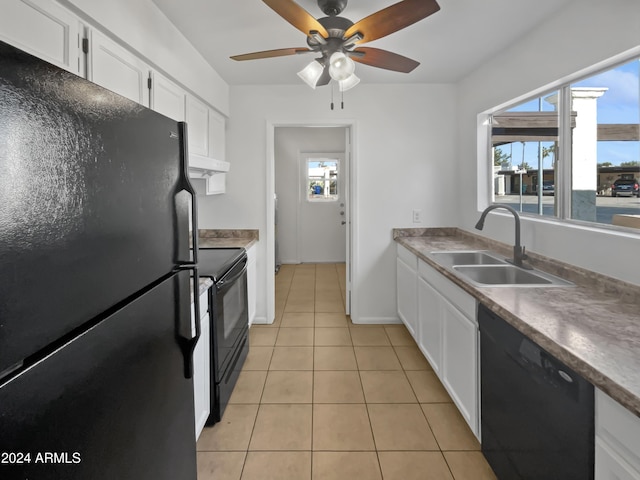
(537, 414)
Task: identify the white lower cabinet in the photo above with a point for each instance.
(617, 441)
(443, 320)
(610, 465)
(448, 338)
(430, 320)
(252, 282)
(460, 362)
(202, 368)
(407, 289)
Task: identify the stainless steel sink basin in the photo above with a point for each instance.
(508, 276)
(471, 257)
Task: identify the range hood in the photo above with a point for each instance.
(210, 175)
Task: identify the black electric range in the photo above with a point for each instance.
(216, 262)
(229, 317)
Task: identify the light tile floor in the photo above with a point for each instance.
(320, 398)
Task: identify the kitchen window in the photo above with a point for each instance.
(573, 153)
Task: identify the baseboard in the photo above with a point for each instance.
(377, 320)
(260, 321)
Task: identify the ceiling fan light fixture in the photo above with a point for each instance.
(341, 67)
(349, 83)
(311, 73)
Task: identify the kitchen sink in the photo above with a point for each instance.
(472, 257)
(508, 276)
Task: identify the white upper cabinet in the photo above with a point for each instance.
(217, 133)
(197, 117)
(44, 29)
(206, 129)
(115, 68)
(167, 98)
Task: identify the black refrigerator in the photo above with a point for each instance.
(96, 338)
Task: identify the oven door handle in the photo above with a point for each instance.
(228, 280)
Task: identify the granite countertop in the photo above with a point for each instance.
(593, 327)
(223, 239)
(205, 284)
(227, 238)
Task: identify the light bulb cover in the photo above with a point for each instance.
(311, 73)
(341, 66)
(349, 83)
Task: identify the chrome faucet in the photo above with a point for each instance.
(518, 251)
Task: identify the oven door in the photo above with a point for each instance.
(230, 316)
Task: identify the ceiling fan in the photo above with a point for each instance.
(334, 38)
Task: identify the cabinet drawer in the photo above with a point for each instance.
(457, 296)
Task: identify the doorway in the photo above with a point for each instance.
(309, 179)
(321, 208)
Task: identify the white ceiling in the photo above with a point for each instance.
(449, 44)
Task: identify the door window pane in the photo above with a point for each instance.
(322, 180)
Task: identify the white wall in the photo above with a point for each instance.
(289, 142)
(404, 155)
(582, 34)
(142, 27)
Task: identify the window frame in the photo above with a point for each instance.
(563, 173)
(318, 157)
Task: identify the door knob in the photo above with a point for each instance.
(343, 222)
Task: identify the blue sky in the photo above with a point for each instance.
(619, 104)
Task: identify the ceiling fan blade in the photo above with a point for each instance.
(384, 59)
(280, 52)
(297, 16)
(391, 19)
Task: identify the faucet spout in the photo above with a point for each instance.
(518, 250)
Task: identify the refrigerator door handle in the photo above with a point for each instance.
(186, 185)
(188, 345)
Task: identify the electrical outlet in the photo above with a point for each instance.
(417, 216)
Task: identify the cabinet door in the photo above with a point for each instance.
(407, 291)
(197, 117)
(44, 29)
(460, 362)
(430, 321)
(201, 371)
(217, 125)
(167, 98)
(610, 465)
(117, 69)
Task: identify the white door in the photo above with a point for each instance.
(322, 219)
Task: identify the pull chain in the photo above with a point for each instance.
(331, 84)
